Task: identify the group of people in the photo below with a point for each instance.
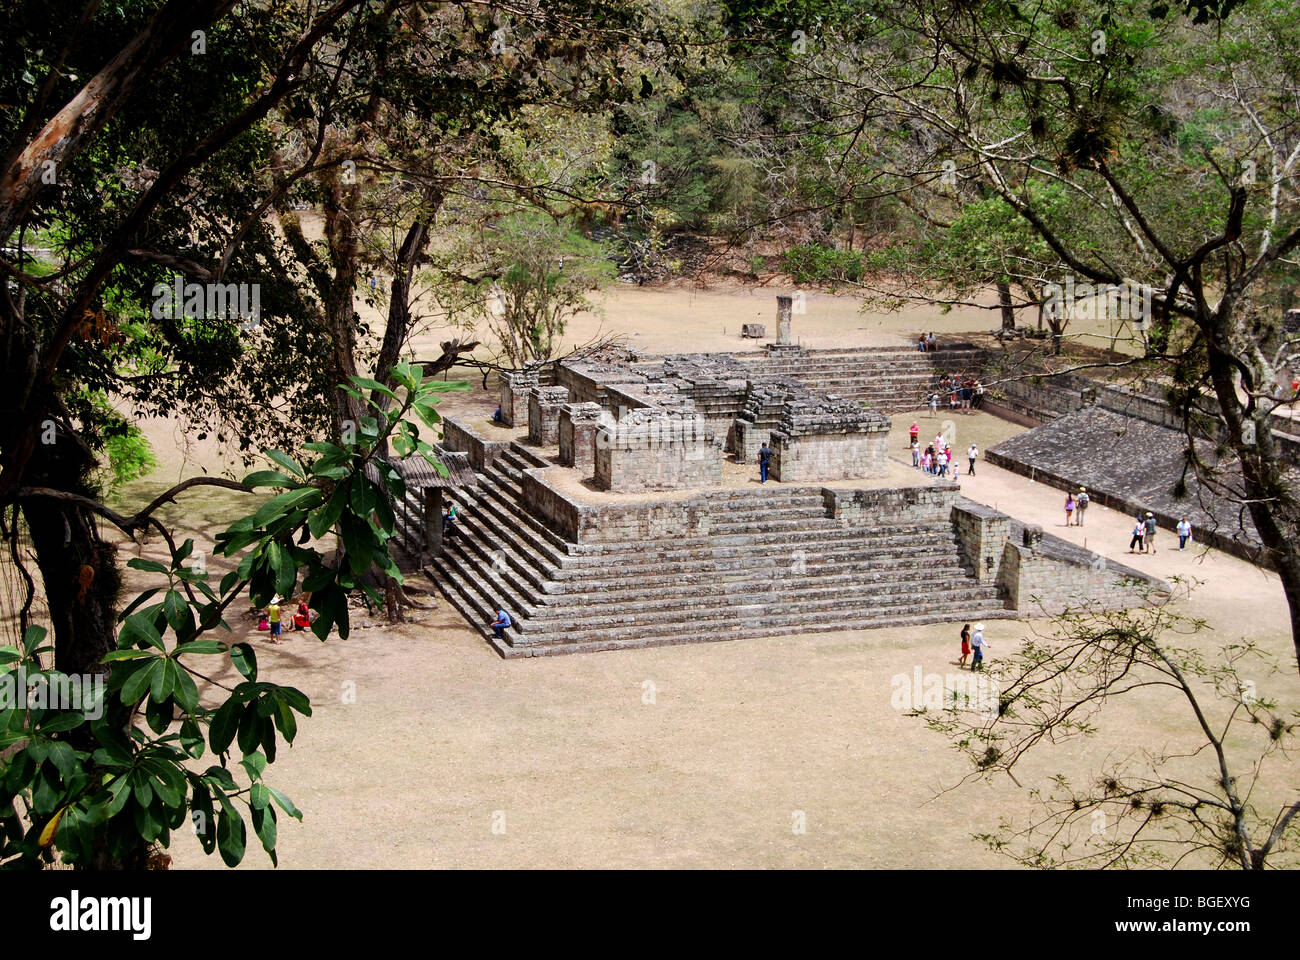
(937, 458)
(271, 622)
(1144, 533)
(962, 393)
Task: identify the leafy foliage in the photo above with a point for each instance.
(92, 774)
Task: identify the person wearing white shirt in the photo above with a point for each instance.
(978, 645)
(971, 453)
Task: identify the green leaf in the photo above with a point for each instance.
(221, 731)
(205, 826)
(286, 461)
(285, 804)
(184, 688)
(231, 835)
(303, 498)
(191, 738)
(139, 681)
(264, 824)
(200, 647)
(270, 478)
(148, 566)
(163, 681)
(179, 615)
(139, 629)
(255, 764)
(245, 660)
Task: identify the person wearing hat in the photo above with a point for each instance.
(273, 616)
(1081, 505)
(1151, 532)
(978, 646)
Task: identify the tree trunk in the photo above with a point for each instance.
(1008, 313)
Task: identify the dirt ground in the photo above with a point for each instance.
(427, 750)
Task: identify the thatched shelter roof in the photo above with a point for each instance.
(417, 472)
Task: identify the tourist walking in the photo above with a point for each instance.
(1081, 505)
(978, 646)
(916, 452)
(947, 458)
(914, 432)
(1151, 532)
(926, 460)
(965, 645)
(971, 453)
(500, 624)
(764, 461)
(1069, 509)
(1139, 535)
(1184, 533)
(934, 404)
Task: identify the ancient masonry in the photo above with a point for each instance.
(610, 524)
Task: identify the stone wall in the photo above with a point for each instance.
(869, 508)
(1041, 574)
(581, 522)
(544, 405)
(515, 386)
(825, 438)
(983, 533)
(655, 449)
(577, 436)
(1038, 581)
(458, 436)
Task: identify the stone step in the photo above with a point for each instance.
(704, 589)
(899, 534)
(776, 629)
(744, 557)
(847, 613)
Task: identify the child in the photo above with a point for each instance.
(965, 645)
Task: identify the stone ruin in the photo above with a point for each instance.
(578, 571)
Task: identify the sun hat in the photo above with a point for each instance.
(979, 627)
(1150, 514)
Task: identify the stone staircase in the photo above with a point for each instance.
(891, 381)
(777, 565)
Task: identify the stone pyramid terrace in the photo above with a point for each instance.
(619, 507)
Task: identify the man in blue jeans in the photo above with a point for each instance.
(500, 623)
(764, 459)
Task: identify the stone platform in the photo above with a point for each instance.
(1129, 463)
